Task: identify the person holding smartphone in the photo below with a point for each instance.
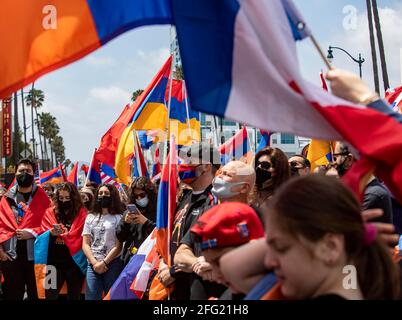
(65, 220)
(139, 219)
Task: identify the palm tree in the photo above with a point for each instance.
(373, 46)
(136, 94)
(48, 129)
(35, 99)
(58, 148)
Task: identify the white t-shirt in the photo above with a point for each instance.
(102, 229)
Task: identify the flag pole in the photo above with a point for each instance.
(136, 155)
(90, 168)
(321, 53)
(168, 113)
(187, 111)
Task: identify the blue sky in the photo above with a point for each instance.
(87, 96)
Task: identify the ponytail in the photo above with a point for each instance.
(377, 273)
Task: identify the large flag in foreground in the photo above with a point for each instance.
(41, 36)
(260, 49)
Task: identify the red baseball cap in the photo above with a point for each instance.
(228, 224)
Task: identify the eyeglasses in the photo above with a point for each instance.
(264, 165)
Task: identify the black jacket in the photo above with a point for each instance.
(134, 234)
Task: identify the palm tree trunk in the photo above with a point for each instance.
(16, 142)
(51, 152)
(373, 47)
(45, 152)
(381, 46)
(40, 139)
(24, 122)
(32, 120)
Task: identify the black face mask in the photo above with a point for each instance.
(87, 204)
(341, 168)
(104, 202)
(262, 176)
(25, 179)
(64, 205)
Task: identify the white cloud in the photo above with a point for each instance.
(110, 95)
(100, 61)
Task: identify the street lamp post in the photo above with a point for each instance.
(360, 61)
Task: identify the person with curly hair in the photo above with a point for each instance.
(135, 227)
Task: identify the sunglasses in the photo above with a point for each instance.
(264, 165)
(297, 165)
(344, 154)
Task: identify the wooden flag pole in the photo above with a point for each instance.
(321, 53)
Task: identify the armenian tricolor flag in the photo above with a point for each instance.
(149, 113)
(73, 240)
(41, 36)
(53, 176)
(184, 123)
(166, 203)
(236, 148)
(265, 140)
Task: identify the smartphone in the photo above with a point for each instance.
(132, 209)
(58, 229)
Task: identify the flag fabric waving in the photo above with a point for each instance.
(73, 241)
(236, 148)
(265, 140)
(73, 176)
(167, 203)
(394, 98)
(259, 48)
(140, 166)
(53, 176)
(156, 167)
(42, 36)
(134, 270)
(149, 109)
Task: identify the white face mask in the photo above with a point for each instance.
(222, 189)
(143, 202)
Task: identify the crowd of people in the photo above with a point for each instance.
(271, 229)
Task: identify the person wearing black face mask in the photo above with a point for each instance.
(26, 203)
(65, 222)
(100, 244)
(272, 169)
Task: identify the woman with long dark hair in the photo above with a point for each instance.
(100, 245)
(65, 220)
(272, 170)
(135, 226)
